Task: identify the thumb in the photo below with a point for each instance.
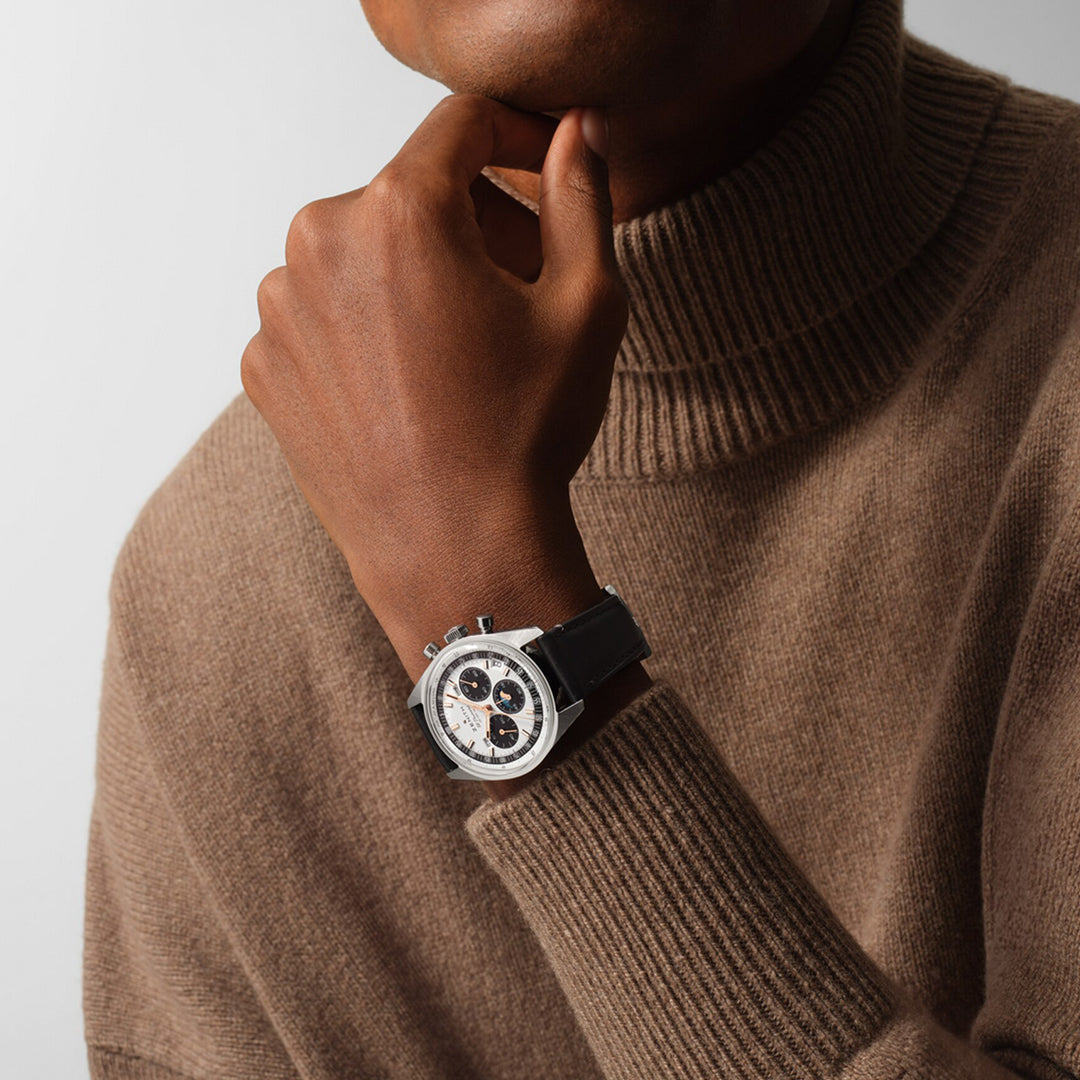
(575, 201)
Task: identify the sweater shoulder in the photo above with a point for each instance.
(957, 77)
(227, 560)
(231, 495)
(1015, 224)
(1012, 340)
(1042, 131)
(1029, 149)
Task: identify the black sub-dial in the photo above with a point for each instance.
(508, 696)
(475, 685)
(504, 731)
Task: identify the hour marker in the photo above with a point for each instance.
(487, 664)
(469, 747)
(454, 727)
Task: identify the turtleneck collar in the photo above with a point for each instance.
(790, 289)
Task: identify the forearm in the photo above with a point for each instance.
(687, 941)
(525, 564)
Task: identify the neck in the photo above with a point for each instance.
(660, 153)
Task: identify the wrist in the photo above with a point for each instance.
(542, 580)
(531, 571)
(534, 599)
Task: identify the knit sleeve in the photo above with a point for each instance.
(164, 997)
(690, 944)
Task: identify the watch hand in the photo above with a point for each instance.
(471, 704)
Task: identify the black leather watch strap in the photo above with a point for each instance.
(588, 649)
(440, 754)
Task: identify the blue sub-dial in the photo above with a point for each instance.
(504, 731)
(474, 684)
(508, 696)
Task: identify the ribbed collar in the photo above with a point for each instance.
(790, 289)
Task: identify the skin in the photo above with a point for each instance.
(428, 337)
(690, 87)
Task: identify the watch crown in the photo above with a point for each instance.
(485, 622)
(431, 650)
(455, 632)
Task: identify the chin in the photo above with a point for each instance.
(550, 56)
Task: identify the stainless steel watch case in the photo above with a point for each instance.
(418, 702)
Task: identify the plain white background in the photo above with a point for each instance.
(151, 158)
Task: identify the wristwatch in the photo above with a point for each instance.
(492, 705)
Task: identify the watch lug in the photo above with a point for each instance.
(566, 717)
(417, 694)
(519, 638)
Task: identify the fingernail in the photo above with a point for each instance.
(594, 129)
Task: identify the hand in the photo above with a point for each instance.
(435, 364)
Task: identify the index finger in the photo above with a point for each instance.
(466, 132)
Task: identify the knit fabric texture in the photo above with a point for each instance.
(838, 483)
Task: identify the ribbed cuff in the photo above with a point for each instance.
(684, 937)
(108, 1064)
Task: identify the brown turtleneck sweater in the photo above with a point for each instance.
(839, 485)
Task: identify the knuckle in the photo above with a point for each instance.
(270, 295)
(251, 368)
(385, 187)
(447, 103)
(310, 231)
(468, 107)
(399, 198)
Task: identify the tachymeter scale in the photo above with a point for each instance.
(479, 724)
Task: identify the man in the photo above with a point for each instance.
(788, 353)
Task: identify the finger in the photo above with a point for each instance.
(511, 231)
(466, 132)
(575, 202)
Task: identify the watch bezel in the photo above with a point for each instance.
(471, 766)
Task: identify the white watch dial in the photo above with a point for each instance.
(490, 711)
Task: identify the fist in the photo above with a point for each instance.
(435, 360)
